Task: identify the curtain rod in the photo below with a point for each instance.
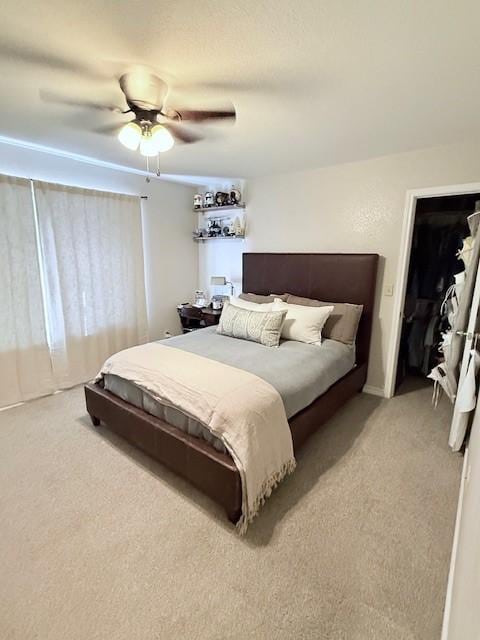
(72, 186)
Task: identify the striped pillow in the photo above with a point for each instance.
(257, 326)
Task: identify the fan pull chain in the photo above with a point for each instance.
(157, 172)
(147, 179)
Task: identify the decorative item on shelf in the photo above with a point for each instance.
(208, 199)
(221, 199)
(234, 197)
(214, 229)
(198, 201)
(226, 231)
(237, 227)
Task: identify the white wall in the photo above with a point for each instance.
(221, 258)
(356, 207)
(171, 257)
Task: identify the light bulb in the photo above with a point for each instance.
(147, 146)
(130, 135)
(162, 138)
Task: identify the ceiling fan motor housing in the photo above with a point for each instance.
(144, 90)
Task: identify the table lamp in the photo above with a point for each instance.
(221, 281)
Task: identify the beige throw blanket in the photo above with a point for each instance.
(241, 409)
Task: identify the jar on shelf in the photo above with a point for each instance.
(200, 299)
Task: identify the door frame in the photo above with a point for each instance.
(404, 262)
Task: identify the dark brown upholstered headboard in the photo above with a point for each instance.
(330, 277)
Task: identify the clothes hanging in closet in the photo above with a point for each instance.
(437, 239)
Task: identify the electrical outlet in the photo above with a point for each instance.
(388, 290)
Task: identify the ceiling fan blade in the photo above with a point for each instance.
(181, 134)
(108, 128)
(224, 87)
(274, 83)
(202, 115)
(29, 55)
(55, 98)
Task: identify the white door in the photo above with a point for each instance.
(462, 613)
(460, 419)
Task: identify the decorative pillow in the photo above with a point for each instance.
(251, 306)
(265, 328)
(342, 323)
(302, 323)
(254, 297)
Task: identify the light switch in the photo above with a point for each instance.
(388, 290)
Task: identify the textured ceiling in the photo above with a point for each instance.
(314, 82)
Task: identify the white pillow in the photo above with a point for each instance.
(253, 306)
(303, 324)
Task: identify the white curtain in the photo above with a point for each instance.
(25, 367)
(93, 272)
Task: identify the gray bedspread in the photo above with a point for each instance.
(299, 372)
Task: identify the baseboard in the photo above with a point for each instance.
(453, 558)
(373, 391)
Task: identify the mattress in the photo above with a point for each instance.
(299, 372)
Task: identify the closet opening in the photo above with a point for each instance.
(440, 244)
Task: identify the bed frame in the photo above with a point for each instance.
(323, 276)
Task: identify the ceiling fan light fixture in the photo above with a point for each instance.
(148, 147)
(130, 135)
(162, 138)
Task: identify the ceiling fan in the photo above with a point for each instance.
(155, 126)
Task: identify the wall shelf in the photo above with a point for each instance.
(227, 207)
(219, 238)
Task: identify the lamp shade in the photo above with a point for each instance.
(147, 146)
(130, 135)
(162, 138)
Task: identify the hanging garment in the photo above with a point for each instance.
(419, 322)
(428, 343)
(461, 320)
(449, 306)
(439, 374)
(466, 402)
(467, 392)
(440, 383)
(465, 253)
(459, 283)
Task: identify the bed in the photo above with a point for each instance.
(311, 388)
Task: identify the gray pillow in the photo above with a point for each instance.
(255, 297)
(342, 324)
(257, 326)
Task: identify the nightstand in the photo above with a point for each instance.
(194, 318)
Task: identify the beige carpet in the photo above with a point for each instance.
(99, 542)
